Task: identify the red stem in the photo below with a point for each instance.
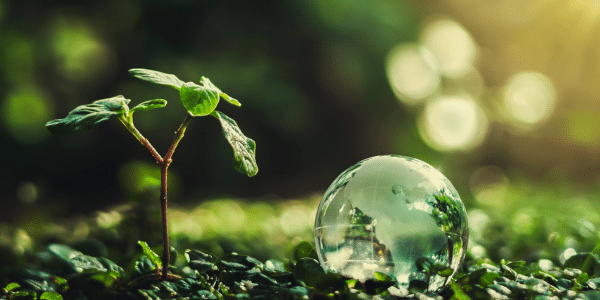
(166, 257)
(163, 164)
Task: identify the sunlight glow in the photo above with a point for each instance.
(451, 44)
(412, 74)
(453, 123)
(294, 220)
(529, 98)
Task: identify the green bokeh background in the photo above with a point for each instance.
(311, 77)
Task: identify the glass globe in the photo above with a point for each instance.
(395, 215)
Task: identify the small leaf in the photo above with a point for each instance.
(304, 249)
(11, 286)
(144, 265)
(208, 84)
(51, 296)
(24, 295)
(192, 255)
(151, 255)
(157, 77)
(85, 263)
(247, 261)
(107, 279)
(198, 100)
(445, 272)
(308, 272)
(244, 148)
(86, 117)
(150, 104)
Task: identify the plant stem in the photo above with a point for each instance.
(177, 139)
(163, 164)
(166, 256)
(164, 167)
(129, 125)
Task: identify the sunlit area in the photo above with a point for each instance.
(501, 97)
(452, 123)
(453, 48)
(529, 98)
(412, 73)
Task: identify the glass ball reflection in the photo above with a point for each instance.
(395, 215)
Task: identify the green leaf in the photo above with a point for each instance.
(11, 286)
(51, 296)
(196, 255)
(244, 148)
(157, 77)
(107, 279)
(150, 254)
(59, 256)
(85, 263)
(247, 262)
(144, 265)
(308, 272)
(150, 104)
(208, 84)
(304, 249)
(459, 294)
(86, 117)
(24, 295)
(198, 100)
(445, 272)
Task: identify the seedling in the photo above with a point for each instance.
(198, 99)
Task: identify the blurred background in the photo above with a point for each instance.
(501, 96)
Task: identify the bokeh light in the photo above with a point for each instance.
(143, 177)
(25, 112)
(525, 221)
(490, 187)
(295, 220)
(453, 123)
(452, 46)
(80, 53)
(529, 98)
(27, 192)
(412, 73)
(184, 224)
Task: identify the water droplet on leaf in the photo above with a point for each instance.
(363, 226)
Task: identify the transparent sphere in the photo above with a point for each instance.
(395, 215)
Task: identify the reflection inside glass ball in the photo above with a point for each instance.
(395, 215)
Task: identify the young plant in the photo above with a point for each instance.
(199, 100)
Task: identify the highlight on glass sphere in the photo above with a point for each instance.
(394, 215)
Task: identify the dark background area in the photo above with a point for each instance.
(314, 94)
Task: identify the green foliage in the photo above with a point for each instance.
(244, 148)
(304, 249)
(51, 296)
(234, 276)
(150, 104)
(209, 85)
(199, 100)
(86, 117)
(157, 77)
(151, 255)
